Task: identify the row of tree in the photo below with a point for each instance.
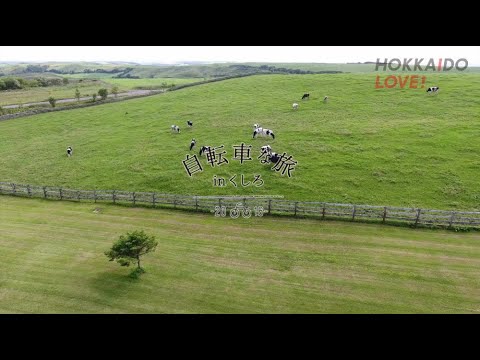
(103, 93)
(12, 83)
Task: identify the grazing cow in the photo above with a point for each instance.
(175, 128)
(189, 123)
(204, 149)
(192, 144)
(295, 106)
(267, 149)
(69, 151)
(274, 157)
(305, 96)
(263, 132)
(433, 89)
(325, 99)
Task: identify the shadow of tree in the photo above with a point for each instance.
(114, 284)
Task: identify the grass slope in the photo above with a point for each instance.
(372, 146)
(53, 262)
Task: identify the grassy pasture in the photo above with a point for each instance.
(37, 94)
(53, 262)
(398, 147)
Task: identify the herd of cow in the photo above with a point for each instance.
(258, 130)
(307, 96)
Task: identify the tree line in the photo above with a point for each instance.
(14, 83)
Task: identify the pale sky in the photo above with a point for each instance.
(178, 54)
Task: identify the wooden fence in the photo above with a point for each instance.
(273, 206)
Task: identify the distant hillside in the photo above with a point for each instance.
(133, 71)
(201, 71)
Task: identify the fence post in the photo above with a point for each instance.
(295, 209)
(451, 219)
(14, 189)
(269, 206)
(196, 203)
(78, 195)
(113, 196)
(29, 191)
(95, 195)
(45, 192)
(61, 194)
(133, 197)
(153, 199)
(323, 211)
(353, 213)
(418, 217)
(384, 214)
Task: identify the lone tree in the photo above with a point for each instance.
(115, 91)
(129, 247)
(94, 97)
(52, 101)
(103, 93)
(77, 94)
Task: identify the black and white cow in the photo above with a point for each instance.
(192, 144)
(433, 89)
(69, 151)
(306, 96)
(274, 157)
(270, 156)
(325, 99)
(175, 128)
(204, 149)
(263, 132)
(266, 149)
(189, 123)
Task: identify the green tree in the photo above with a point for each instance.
(94, 96)
(115, 91)
(65, 81)
(129, 247)
(52, 101)
(11, 84)
(103, 93)
(77, 94)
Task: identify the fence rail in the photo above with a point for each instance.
(323, 210)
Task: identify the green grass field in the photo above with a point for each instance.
(53, 262)
(397, 147)
(129, 84)
(37, 94)
(88, 87)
